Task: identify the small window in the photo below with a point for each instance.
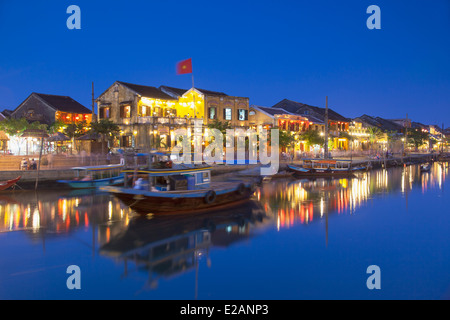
(242, 115)
(105, 113)
(125, 112)
(212, 113)
(127, 141)
(227, 114)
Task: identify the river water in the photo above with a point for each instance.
(297, 239)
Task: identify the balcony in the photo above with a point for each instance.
(162, 120)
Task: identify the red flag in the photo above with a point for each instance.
(184, 66)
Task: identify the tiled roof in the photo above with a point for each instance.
(63, 103)
(299, 108)
(147, 91)
(180, 92)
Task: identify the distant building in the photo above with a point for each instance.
(336, 122)
(268, 118)
(380, 123)
(47, 109)
(5, 114)
(405, 123)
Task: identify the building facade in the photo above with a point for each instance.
(148, 116)
(338, 125)
(47, 109)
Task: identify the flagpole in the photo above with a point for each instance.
(193, 94)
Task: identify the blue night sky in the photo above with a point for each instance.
(264, 50)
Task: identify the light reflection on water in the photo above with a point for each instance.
(164, 247)
(303, 201)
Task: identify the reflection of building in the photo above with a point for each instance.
(290, 203)
(53, 213)
(47, 109)
(148, 115)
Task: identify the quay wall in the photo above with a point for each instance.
(48, 177)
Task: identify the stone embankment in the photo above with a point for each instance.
(48, 176)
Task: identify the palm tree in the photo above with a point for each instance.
(374, 134)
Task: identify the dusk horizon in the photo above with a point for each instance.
(266, 52)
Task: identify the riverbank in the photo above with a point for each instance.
(48, 177)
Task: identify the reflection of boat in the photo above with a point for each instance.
(9, 183)
(166, 245)
(325, 168)
(95, 176)
(282, 175)
(179, 190)
(425, 167)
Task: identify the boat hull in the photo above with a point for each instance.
(7, 184)
(78, 184)
(306, 172)
(144, 202)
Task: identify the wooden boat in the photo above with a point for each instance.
(9, 183)
(95, 177)
(182, 189)
(325, 168)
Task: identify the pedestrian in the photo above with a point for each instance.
(50, 160)
(33, 165)
(24, 164)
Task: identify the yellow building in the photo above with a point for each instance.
(148, 116)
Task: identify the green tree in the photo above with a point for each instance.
(106, 129)
(312, 137)
(374, 134)
(57, 126)
(286, 140)
(417, 138)
(222, 126)
(14, 127)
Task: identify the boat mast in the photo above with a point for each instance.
(325, 147)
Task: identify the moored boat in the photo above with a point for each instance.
(181, 189)
(325, 168)
(8, 183)
(95, 177)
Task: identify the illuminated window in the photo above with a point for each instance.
(227, 113)
(242, 115)
(105, 113)
(212, 113)
(145, 111)
(127, 141)
(125, 112)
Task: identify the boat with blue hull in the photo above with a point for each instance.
(180, 189)
(95, 177)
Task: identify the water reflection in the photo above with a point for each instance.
(164, 246)
(49, 214)
(303, 201)
(161, 247)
